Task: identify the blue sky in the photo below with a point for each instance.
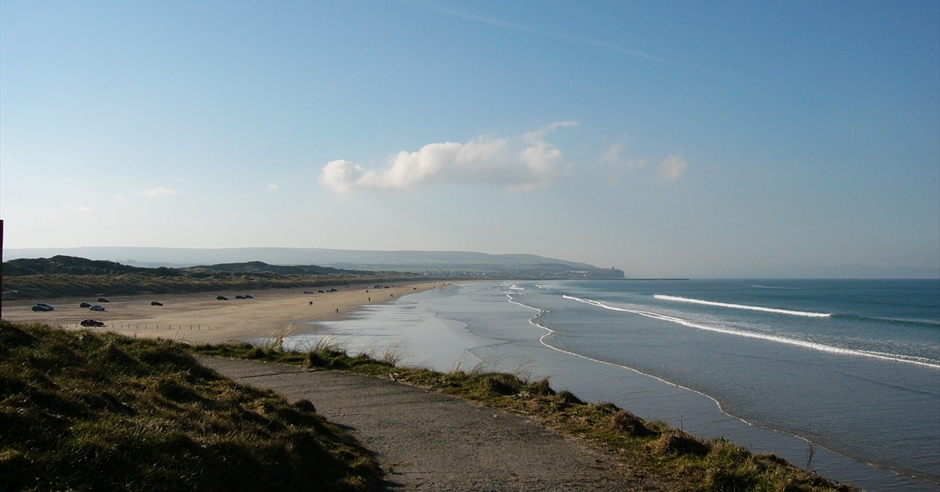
(663, 138)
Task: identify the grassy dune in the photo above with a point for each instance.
(97, 411)
(70, 276)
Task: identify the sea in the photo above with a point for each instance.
(837, 376)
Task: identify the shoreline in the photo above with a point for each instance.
(279, 310)
(702, 414)
(201, 318)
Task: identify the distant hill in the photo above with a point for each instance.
(400, 261)
(60, 275)
(63, 275)
(71, 265)
(258, 267)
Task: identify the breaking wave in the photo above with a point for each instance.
(921, 361)
(743, 306)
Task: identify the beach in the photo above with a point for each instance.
(773, 365)
(202, 318)
(588, 336)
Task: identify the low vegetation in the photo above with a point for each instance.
(71, 276)
(90, 411)
(674, 456)
(98, 411)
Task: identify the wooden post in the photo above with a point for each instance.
(1, 268)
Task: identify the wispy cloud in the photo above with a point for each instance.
(673, 167)
(272, 187)
(81, 208)
(616, 164)
(541, 32)
(613, 155)
(517, 163)
(576, 40)
(154, 193)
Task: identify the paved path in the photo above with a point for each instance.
(428, 441)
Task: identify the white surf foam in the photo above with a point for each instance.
(743, 306)
(771, 338)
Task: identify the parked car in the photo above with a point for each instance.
(221, 298)
(102, 299)
(239, 297)
(84, 305)
(309, 291)
(156, 303)
(249, 296)
(91, 322)
(42, 307)
(96, 308)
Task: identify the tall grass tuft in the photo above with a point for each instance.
(89, 411)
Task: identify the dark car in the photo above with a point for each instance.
(239, 297)
(102, 299)
(42, 307)
(84, 305)
(96, 308)
(221, 298)
(91, 322)
(156, 303)
(249, 296)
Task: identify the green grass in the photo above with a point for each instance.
(48, 285)
(674, 457)
(98, 411)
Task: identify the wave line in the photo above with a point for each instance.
(743, 306)
(772, 338)
(550, 333)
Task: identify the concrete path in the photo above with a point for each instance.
(428, 441)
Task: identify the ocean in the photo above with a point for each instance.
(838, 376)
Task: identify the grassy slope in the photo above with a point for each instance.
(89, 411)
(673, 456)
(86, 411)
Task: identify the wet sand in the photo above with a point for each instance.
(201, 318)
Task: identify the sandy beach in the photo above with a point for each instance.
(201, 318)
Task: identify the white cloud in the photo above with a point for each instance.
(80, 208)
(614, 159)
(517, 163)
(273, 187)
(155, 192)
(613, 155)
(673, 167)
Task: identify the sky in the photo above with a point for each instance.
(661, 138)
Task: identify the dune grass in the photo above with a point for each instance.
(99, 411)
(671, 455)
(60, 285)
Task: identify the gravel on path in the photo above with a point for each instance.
(428, 441)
